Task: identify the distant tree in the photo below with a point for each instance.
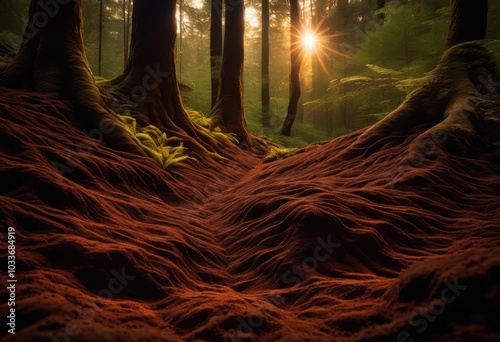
(180, 37)
(342, 25)
(266, 121)
(215, 47)
(101, 10)
(125, 32)
(228, 111)
(129, 13)
(468, 21)
(295, 67)
(320, 79)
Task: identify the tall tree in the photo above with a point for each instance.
(341, 17)
(125, 33)
(295, 67)
(101, 10)
(52, 59)
(468, 21)
(320, 79)
(128, 29)
(215, 47)
(266, 121)
(150, 74)
(181, 32)
(228, 111)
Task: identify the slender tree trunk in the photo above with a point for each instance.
(340, 23)
(101, 8)
(266, 121)
(181, 29)
(296, 64)
(125, 38)
(468, 21)
(215, 48)
(129, 8)
(320, 80)
(228, 111)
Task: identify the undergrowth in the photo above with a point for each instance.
(168, 151)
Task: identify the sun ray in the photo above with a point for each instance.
(310, 41)
(316, 42)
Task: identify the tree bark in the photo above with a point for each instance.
(266, 121)
(215, 48)
(468, 21)
(150, 73)
(181, 30)
(295, 67)
(101, 9)
(128, 31)
(228, 111)
(125, 39)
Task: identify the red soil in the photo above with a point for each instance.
(208, 254)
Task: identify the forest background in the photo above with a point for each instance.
(369, 56)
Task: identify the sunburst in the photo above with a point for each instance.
(316, 42)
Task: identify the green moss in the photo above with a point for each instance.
(205, 124)
(279, 152)
(156, 144)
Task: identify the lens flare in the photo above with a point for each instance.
(317, 43)
(309, 41)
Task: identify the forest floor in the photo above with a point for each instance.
(389, 233)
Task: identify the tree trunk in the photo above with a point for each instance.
(150, 72)
(101, 9)
(320, 79)
(52, 59)
(128, 30)
(228, 111)
(181, 29)
(468, 21)
(340, 24)
(125, 39)
(266, 121)
(149, 83)
(215, 48)
(296, 64)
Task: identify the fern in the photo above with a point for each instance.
(156, 144)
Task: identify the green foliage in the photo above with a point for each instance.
(279, 152)
(493, 31)
(14, 16)
(410, 41)
(390, 64)
(112, 36)
(302, 134)
(205, 124)
(156, 144)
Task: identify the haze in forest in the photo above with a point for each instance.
(369, 57)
